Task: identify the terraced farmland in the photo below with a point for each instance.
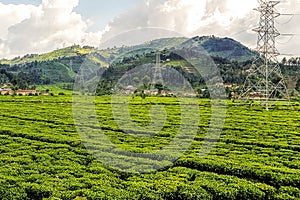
(43, 157)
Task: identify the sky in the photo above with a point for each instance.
(39, 26)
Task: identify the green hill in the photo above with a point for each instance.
(221, 47)
(62, 65)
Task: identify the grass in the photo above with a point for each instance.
(55, 88)
(54, 55)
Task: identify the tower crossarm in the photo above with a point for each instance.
(265, 80)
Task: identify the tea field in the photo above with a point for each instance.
(45, 156)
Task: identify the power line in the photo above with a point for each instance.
(237, 33)
(290, 34)
(290, 14)
(286, 54)
(288, 21)
(265, 80)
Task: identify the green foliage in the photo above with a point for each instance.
(298, 85)
(63, 65)
(42, 157)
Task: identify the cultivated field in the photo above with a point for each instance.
(42, 156)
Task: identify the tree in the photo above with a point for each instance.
(146, 81)
(298, 85)
(136, 80)
(159, 86)
(284, 61)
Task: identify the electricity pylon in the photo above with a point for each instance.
(157, 70)
(265, 80)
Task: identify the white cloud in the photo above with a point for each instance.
(54, 24)
(11, 15)
(36, 29)
(189, 17)
(231, 18)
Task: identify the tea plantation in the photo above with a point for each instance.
(43, 155)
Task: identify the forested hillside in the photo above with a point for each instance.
(61, 66)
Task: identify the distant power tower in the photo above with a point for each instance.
(265, 80)
(157, 70)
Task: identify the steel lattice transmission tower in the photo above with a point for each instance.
(265, 80)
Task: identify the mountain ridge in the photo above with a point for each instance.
(207, 42)
(62, 65)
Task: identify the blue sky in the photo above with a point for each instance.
(100, 11)
(103, 11)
